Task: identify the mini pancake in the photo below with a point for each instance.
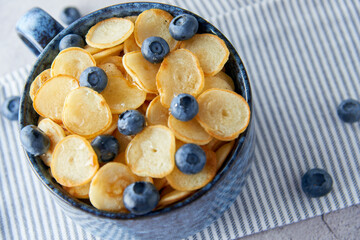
(165, 190)
(117, 60)
(157, 113)
(145, 179)
(74, 161)
(159, 183)
(67, 133)
(180, 72)
(144, 107)
(141, 70)
(150, 96)
(130, 45)
(113, 125)
(40, 118)
(50, 98)
(121, 96)
(92, 50)
(216, 82)
(189, 132)
(114, 51)
(109, 33)
(81, 192)
(120, 158)
(108, 185)
(223, 114)
(223, 152)
(124, 140)
(151, 152)
(179, 143)
(189, 182)
(110, 69)
(131, 18)
(211, 51)
(214, 144)
(222, 75)
(55, 133)
(131, 81)
(173, 197)
(38, 82)
(86, 113)
(72, 61)
(154, 22)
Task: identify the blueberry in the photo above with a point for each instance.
(190, 158)
(10, 108)
(71, 40)
(95, 78)
(154, 49)
(316, 183)
(131, 122)
(106, 147)
(69, 15)
(183, 27)
(34, 140)
(141, 197)
(349, 110)
(184, 107)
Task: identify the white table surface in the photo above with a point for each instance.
(342, 224)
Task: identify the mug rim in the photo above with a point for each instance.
(89, 209)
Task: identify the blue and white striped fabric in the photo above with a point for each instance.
(303, 58)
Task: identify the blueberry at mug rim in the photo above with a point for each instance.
(235, 68)
(69, 14)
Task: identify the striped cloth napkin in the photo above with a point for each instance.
(303, 59)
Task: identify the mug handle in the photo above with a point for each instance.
(37, 28)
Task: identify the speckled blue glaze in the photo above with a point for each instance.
(37, 28)
(181, 219)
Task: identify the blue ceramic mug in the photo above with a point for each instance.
(179, 220)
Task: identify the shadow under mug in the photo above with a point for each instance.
(41, 33)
